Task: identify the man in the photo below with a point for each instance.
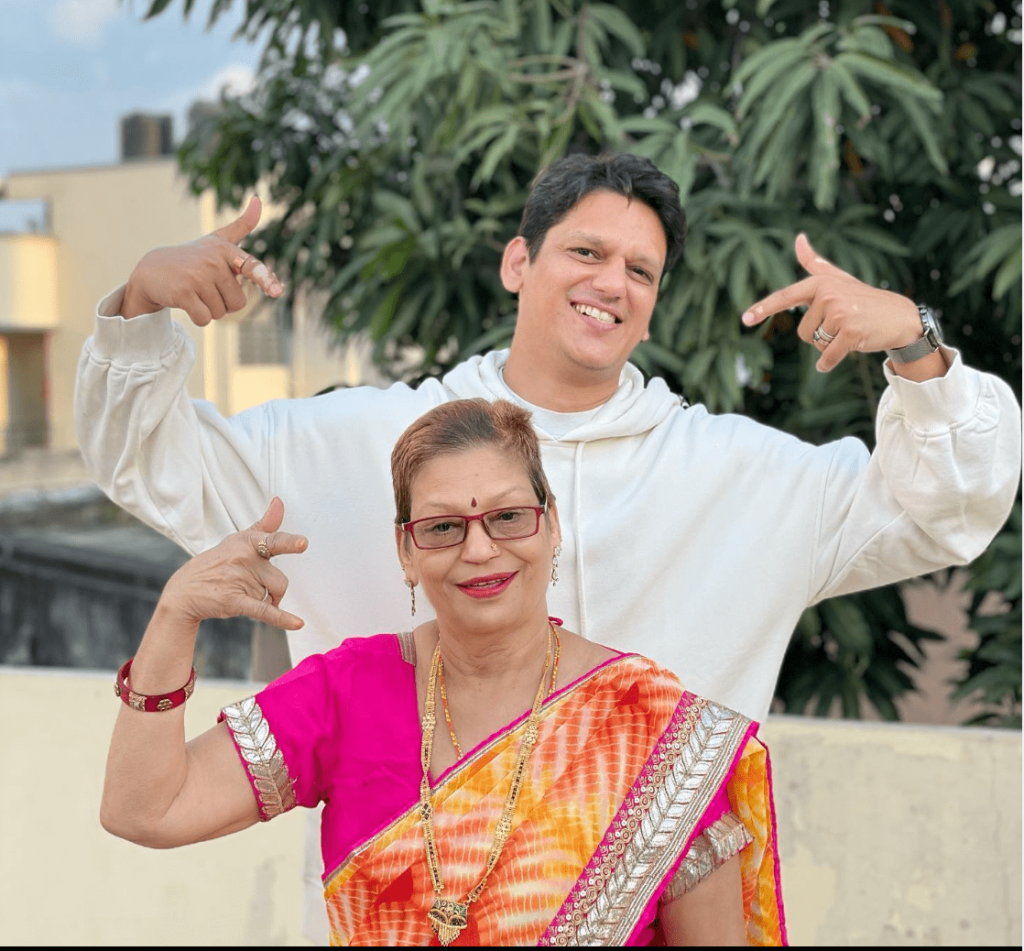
(694, 539)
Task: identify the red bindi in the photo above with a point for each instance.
(473, 504)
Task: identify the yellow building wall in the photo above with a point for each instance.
(28, 282)
(103, 219)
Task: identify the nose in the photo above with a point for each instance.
(610, 277)
(477, 546)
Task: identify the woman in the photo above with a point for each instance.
(489, 778)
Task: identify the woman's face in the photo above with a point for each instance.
(482, 583)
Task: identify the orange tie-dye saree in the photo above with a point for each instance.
(628, 769)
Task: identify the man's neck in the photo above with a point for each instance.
(572, 391)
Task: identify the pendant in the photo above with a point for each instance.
(448, 918)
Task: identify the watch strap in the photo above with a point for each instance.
(928, 343)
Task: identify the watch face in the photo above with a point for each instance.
(932, 330)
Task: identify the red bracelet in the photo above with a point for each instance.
(140, 701)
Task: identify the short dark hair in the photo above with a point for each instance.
(460, 425)
(561, 186)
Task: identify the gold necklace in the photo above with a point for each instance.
(448, 917)
(444, 692)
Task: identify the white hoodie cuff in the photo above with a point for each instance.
(937, 404)
(147, 338)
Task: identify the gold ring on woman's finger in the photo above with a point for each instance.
(262, 548)
(822, 336)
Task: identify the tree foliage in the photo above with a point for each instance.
(401, 136)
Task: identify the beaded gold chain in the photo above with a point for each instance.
(444, 692)
(448, 917)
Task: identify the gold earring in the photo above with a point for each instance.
(412, 591)
(554, 564)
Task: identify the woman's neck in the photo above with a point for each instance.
(477, 660)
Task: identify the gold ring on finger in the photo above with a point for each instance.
(266, 594)
(262, 548)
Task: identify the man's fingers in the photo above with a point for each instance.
(833, 354)
(802, 292)
(196, 309)
(812, 319)
(236, 230)
(811, 261)
(231, 293)
(256, 272)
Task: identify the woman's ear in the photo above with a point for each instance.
(403, 544)
(555, 525)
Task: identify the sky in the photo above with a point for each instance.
(69, 69)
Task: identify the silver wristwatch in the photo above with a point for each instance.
(929, 343)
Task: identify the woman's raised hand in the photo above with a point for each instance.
(201, 277)
(237, 577)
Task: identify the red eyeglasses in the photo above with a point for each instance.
(444, 531)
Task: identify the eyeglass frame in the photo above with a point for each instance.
(538, 510)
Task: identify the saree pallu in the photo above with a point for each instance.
(625, 767)
(628, 770)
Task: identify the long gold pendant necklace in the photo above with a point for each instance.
(446, 916)
(444, 692)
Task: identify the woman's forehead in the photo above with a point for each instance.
(485, 475)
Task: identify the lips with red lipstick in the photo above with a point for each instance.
(487, 586)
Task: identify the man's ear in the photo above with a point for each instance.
(514, 263)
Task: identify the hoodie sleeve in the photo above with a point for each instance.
(938, 487)
(174, 463)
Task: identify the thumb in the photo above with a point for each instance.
(236, 230)
(271, 519)
(811, 261)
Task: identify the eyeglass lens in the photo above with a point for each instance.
(501, 523)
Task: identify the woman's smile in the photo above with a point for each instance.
(487, 586)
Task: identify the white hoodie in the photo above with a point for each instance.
(694, 539)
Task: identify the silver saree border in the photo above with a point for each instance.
(263, 760)
(652, 826)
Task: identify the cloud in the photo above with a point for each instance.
(233, 81)
(81, 21)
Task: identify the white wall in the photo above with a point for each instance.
(888, 834)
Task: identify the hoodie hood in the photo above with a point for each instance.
(633, 409)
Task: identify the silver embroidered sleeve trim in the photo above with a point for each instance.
(263, 760)
(718, 843)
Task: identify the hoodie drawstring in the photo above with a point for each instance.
(577, 522)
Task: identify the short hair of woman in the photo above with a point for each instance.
(557, 189)
(460, 425)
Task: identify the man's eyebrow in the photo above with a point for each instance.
(586, 237)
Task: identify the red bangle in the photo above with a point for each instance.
(155, 704)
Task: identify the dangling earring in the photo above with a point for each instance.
(412, 591)
(554, 564)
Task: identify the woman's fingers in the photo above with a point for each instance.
(269, 544)
(269, 613)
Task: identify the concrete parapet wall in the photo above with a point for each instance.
(888, 834)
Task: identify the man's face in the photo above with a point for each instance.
(585, 300)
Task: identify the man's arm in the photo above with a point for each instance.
(944, 474)
(174, 463)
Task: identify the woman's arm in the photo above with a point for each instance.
(159, 790)
(709, 914)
